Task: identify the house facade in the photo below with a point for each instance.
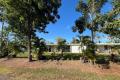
(107, 48)
(102, 48)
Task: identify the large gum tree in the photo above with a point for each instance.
(90, 19)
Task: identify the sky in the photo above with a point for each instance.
(68, 15)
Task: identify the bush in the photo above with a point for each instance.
(4, 53)
(116, 59)
(65, 56)
(72, 56)
(102, 61)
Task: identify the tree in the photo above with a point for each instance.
(61, 44)
(40, 47)
(111, 20)
(89, 47)
(75, 41)
(90, 19)
(1, 32)
(27, 17)
(4, 42)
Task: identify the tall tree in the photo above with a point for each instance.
(111, 20)
(91, 11)
(27, 17)
(2, 30)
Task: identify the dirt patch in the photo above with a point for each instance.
(20, 63)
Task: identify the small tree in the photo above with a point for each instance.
(40, 47)
(89, 48)
(75, 41)
(61, 45)
(4, 42)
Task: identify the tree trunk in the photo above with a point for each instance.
(92, 39)
(29, 49)
(1, 37)
(92, 35)
(29, 40)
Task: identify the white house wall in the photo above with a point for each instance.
(76, 49)
(101, 49)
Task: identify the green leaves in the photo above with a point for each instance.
(26, 17)
(110, 20)
(61, 43)
(80, 25)
(90, 46)
(82, 7)
(91, 19)
(91, 15)
(21, 18)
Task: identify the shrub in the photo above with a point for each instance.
(102, 61)
(116, 59)
(65, 56)
(72, 56)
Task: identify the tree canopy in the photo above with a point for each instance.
(26, 17)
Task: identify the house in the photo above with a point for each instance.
(107, 48)
(102, 48)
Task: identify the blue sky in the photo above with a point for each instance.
(68, 15)
(62, 28)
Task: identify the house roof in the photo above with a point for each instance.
(109, 44)
(99, 44)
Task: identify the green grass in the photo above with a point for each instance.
(52, 74)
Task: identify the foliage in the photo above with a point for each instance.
(90, 19)
(16, 48)
(111, 20)
(40, 47)
(89, 51)
(26, 17)
(61, 43)
(75, 41)
(102, 60)
(90, 10)
(4, 42)
(66, 56)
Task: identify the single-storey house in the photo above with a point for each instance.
(77, 48)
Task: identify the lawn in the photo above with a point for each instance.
(21, 69)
